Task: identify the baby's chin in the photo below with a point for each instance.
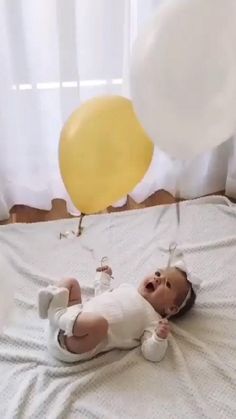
(148, 296)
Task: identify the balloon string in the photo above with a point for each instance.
(173, 244)
(80, 228)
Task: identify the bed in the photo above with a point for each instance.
(197, 379)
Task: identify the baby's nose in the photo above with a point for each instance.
(159, 279)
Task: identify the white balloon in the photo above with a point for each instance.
(183, 76)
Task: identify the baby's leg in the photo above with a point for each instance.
(88, 331)
(73, 287)
(66, 293)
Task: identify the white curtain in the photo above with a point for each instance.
(55, 54)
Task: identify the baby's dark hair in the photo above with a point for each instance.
(189, 304)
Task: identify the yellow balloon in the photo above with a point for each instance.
(104, 152)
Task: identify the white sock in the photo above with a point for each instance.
(46, 296)
(53, 305)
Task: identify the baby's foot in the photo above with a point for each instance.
(51, 299)
(53, 305)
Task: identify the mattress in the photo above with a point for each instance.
(197, 378)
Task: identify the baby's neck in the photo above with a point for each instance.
(150, 303)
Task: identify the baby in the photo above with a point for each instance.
(123, 318)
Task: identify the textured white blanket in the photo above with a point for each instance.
(197, 379)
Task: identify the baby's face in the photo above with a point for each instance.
(165, 290)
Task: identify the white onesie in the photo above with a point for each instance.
(132, 322)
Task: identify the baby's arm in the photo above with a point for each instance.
(155, 343)
(102, 281)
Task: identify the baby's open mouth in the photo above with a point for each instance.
(150, 286)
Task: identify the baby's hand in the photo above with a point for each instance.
(163, 329)
(106, 269)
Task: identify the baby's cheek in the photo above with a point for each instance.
(171, 296)
(163, 293)
(160, 296)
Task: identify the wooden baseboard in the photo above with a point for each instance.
(25, 214)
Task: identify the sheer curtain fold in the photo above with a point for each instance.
(56, 54)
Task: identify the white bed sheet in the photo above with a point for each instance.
(197, 379)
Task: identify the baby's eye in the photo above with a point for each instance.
(168, 284)
(157, 273)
